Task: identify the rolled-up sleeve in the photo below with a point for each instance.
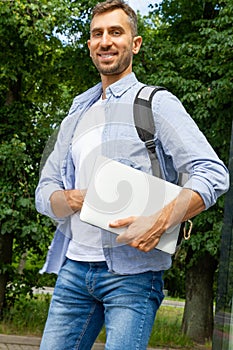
(51, 178)
(189, 149)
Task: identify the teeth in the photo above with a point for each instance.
(106, 56)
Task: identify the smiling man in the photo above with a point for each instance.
(112, 44)
(104, 279)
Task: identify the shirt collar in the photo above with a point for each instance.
(118, 88)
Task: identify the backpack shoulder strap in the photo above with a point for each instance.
(143, 117)
(144, 122)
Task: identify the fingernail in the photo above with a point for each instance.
(113, 223)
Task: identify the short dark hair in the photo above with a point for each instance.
(110, 5)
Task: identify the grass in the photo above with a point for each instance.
(167, 328)
(29, 315)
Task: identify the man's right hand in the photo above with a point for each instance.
(67, 202)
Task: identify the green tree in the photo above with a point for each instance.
(187, 48)
(191, 55)
(40, 74)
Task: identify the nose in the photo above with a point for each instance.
(106, 40)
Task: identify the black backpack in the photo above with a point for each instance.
(145, 126)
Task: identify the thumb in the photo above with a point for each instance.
(123, 222)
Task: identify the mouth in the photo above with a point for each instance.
(106, 56)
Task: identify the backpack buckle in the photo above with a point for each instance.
(150, 144)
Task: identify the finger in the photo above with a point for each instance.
(123, 222)
(125, 237)
(145, 246)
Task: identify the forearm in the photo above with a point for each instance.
(187, 205)
(195, 207)
(66, 202)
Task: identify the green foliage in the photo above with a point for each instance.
(167, 329)
(18, 217)
(27, 317)
(40, 75)
(187, 47)
(34, 98)
(45, 62)
(174, 278)
(190, 52)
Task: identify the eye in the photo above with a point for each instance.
(116, 32)
(96, 34)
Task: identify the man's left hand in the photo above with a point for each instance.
(144, 232)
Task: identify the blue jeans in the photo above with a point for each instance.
(87, 296)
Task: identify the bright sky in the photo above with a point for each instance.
(142, 5)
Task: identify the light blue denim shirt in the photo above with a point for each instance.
(180, 147)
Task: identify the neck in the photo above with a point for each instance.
(108, 80)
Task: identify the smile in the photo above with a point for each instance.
(106, 55)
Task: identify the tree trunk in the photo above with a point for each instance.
(13, 93)
(198, 313)
(22, 262)
(6, 243)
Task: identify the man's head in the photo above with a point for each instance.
(113, 40)
(111, 5)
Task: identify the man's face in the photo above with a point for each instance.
(111, 43)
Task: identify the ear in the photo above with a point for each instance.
(89, 45)
(137, 42)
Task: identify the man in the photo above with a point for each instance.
(101, 279)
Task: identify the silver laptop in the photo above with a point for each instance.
(117, 191)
